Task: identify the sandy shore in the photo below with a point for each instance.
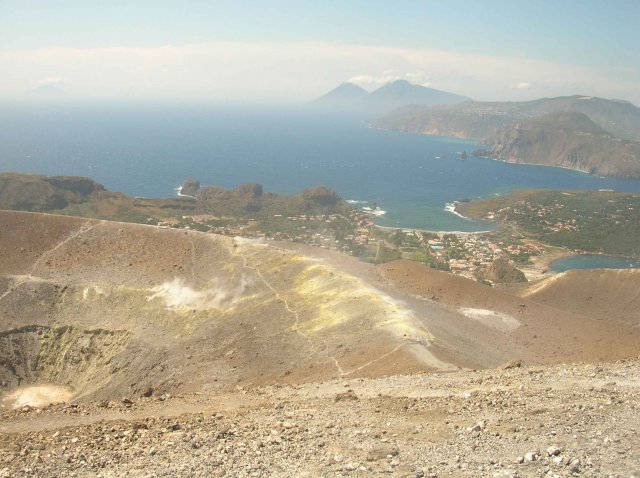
(539, 268)
(460, 233)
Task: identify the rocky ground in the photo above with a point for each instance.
(179, 353)
(573, 420)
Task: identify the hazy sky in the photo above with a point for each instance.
(276, 50)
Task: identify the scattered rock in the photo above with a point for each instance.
(574, 465)
(382, 452)
(477, 427)
(413, 426)
(553, 451)
(511, 364)
(348, 395)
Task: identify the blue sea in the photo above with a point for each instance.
(593, 262)
(148, 150)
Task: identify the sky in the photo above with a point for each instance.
(293, 51)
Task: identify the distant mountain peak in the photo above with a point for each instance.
(349, 90)
(348, 84)
(402, 93)
(386, 98)
(346, 96)
(397, 85)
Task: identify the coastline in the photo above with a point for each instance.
(525, 163)
(451, 207)
(178, 191)
(457, 139)
(540, 267)
(479, 142)
(541, 264)
(462, 233)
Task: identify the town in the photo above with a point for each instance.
(355, 233)
(347, 232)
(465, 254)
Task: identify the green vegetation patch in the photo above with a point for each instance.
(593, 221)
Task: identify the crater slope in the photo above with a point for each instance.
(110, 309)
(101, 310)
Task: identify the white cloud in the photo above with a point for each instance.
(368, 81)
(419, 78)
(389, 76)
(51, 81)
(523, 85)
(295, 71)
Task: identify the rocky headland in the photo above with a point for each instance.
(589, 134)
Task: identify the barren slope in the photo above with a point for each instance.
(598, 293)
(109, 309)
(562, 421)
(281, 360)
(555, 327)
(94, 309)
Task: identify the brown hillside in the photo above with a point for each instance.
(105, 309)
(285, 360)
(189, 310)
(549, 331)
(598, 293)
